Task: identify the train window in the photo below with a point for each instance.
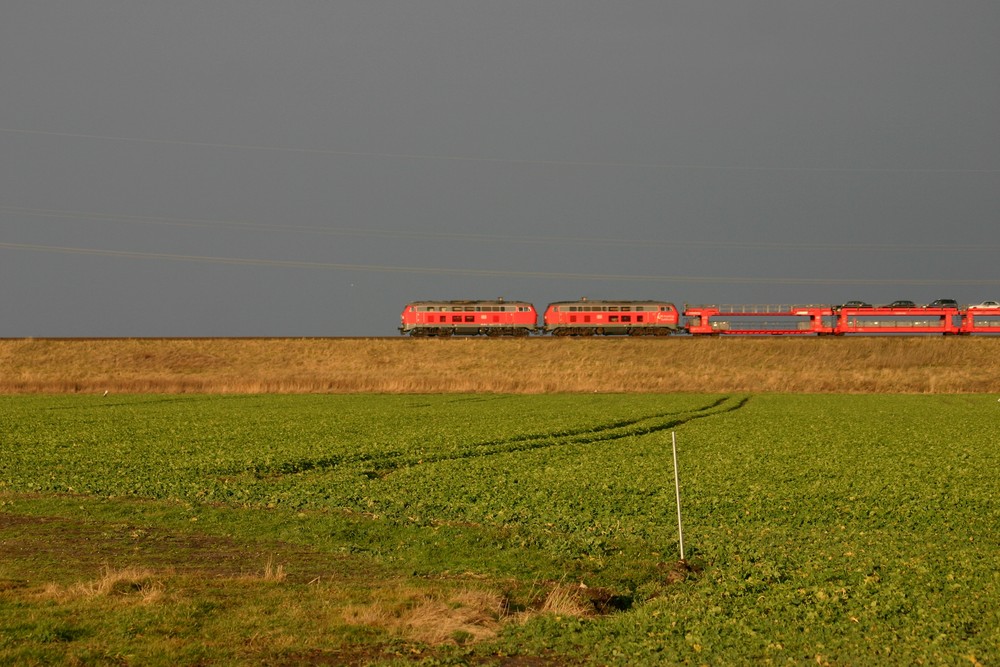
(612, 318)
(572, 318)
(638, 318)
(456, 318)
(586, 318)
(470, 318)
(613, 308)
(626, 307)
(626, 318)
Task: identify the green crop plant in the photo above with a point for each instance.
(832, 529)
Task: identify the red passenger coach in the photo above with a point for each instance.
(604, 318)
(468, 318)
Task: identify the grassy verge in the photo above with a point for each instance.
(143, 586)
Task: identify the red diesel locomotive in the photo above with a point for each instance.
(468, 318)
(605, 318)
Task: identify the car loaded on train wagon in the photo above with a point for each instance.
(603, 318)
(468, 318)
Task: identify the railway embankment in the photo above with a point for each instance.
(402, 365)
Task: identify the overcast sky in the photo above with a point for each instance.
(306, 167)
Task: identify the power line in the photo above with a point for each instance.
(488, 159)
(489, 238)
(442, 271)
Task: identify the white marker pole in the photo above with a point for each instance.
(677, 488)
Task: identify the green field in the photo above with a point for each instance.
(525, 530)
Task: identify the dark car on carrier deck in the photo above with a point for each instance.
(943, 303)
(853, 304)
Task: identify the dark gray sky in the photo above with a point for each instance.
(305, 168)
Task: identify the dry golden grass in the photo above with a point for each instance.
(463, 615)
(466, 615)
(273, 572)
(566, 600)
(133, 583)
(836, 365)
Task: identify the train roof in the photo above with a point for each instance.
(468, 302)
(607, 302)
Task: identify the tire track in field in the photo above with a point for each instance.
(380, 465)
(596, 435)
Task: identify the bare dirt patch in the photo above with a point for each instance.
(96, 546)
